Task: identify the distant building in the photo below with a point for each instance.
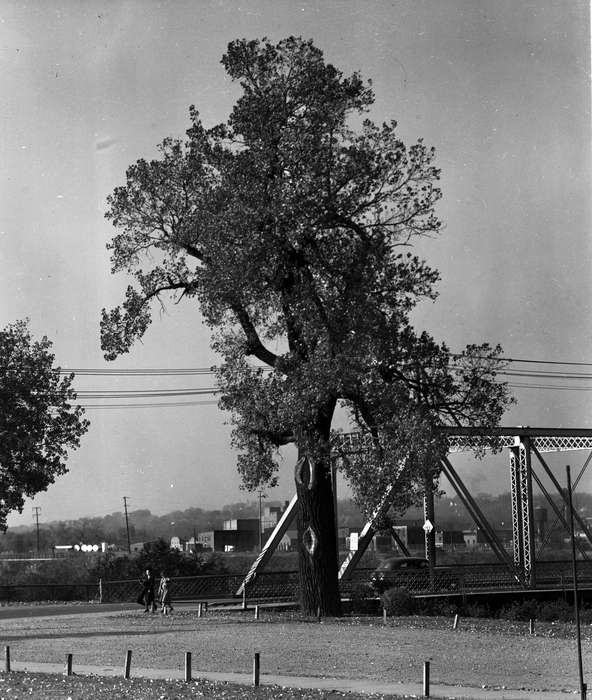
(271, 515)
(229, 540)
(241, 524)
(177, 543)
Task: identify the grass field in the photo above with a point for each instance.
(492, 653)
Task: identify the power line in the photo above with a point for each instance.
(548, 362)
(147, 372)
(183, 371)
(553, 387)
(162, 404)
(144, 393)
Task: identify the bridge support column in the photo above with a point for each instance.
(522, 509)
(517, 542)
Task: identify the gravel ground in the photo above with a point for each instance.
(492, 653)
(18, 686)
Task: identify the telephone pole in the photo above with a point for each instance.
(261, 495)
(36, 511)
(129, 545)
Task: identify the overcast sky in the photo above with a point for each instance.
(500, 88)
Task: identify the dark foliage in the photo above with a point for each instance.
(39, 419)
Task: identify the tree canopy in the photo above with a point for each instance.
(39, 421)
(291, 225)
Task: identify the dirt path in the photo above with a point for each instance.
(480, 652)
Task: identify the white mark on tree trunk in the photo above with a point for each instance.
(310, 540)
(305, 473)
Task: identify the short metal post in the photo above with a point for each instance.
(256, 612)
(199, 610)
(128, 663)
(187, 666)
(100, 590)
(426, 679)
(7, 655)
(256, 669)
(384, 616)
(455, 624)
(244, 597)
(531, 626)
(68, 664)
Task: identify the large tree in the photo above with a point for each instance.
(39, 420)
(290, 227)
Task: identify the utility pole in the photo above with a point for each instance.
(583, 688)
(129, 545)
(260, 519)
(36, 511)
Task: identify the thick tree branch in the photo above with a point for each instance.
(254, 345)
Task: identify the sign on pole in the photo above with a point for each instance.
(428, 527)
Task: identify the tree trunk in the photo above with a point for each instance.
(317, 547)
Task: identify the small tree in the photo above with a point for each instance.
(38, 420)
(292, 232)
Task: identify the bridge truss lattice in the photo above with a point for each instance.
(525, 446)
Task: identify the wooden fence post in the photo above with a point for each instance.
(128, 663)
(187, 666)
(256, 669)
(426, 679)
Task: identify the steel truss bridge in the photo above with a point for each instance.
(525, 446)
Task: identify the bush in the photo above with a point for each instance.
(475, 610)
(160, 557)
(398, 601)
(436, 607)
(556, 610)
(522, 611)
(361, 598)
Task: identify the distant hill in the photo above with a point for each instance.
(145, 526)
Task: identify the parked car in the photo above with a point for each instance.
(413, 573)
(405, 572)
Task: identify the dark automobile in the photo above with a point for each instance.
(405, 572)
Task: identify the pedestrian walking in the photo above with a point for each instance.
(164, 594)
(146, 596)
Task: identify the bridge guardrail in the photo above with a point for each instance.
(36, 592)
(283, 585)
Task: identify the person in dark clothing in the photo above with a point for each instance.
(146, 596)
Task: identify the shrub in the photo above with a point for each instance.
(439, 607)
(361, 598)
(476, 610)
(556, 610)
(398, 601)
(522, 611)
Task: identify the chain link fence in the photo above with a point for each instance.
(37, 592)
(283, 585)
